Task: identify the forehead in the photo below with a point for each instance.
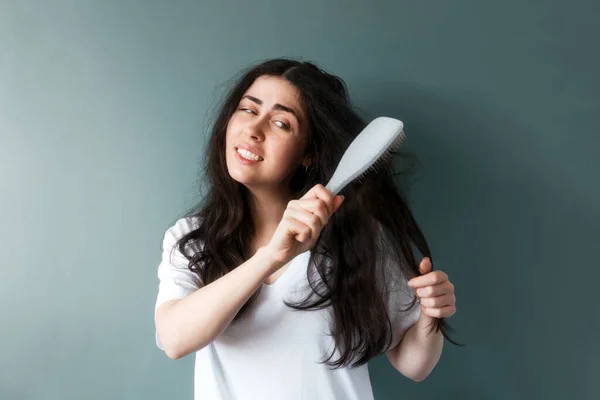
(275, 90)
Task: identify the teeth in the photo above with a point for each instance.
(248, 155)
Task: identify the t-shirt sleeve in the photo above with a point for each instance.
(176, 281)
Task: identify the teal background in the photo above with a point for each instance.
(103, 112)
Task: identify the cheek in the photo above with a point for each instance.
(288, 153)
(229, 132)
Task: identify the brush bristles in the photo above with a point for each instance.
(385, 158)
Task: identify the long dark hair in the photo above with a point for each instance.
(373, 206)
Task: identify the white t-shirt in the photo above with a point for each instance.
(273, 351)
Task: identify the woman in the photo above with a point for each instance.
(282, 290)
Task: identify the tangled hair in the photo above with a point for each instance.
(348, 250)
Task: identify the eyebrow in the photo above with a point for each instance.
(275, 107)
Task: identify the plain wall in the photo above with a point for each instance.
(104, 107)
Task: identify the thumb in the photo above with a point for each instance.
(425, 266)
(337, 202)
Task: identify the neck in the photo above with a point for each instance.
(267, 208)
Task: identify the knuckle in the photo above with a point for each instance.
(323, 190)
(314, 220)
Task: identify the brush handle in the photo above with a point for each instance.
(335, 186)
(367, 148)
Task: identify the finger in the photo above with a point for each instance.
(432, 278)
(443, 312)
(337, 202)
(317, 218)
(439, 301)
(307, 218)
(425, 266)
(436, 290)
(315, 206)
(318, 191)
(300, 231)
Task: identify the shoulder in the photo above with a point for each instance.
(183, 226)
(179, 229)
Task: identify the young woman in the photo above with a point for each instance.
(282, 290)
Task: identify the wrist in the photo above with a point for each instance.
(424, 323)
(424, 320)
(268, 261)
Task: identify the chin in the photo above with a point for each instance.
(240, 177)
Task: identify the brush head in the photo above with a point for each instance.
(370, 148)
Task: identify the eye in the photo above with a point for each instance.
(282, 125)
(247, 110)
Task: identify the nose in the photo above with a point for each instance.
(255, 131)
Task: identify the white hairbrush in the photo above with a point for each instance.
(372, 145)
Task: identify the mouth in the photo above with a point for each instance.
(248, 155)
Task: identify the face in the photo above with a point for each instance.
(267, 135)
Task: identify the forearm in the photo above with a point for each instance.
(189, 324)
(419, 351)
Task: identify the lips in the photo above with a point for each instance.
(251, 149)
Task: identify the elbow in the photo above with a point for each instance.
(177, 344)
(419, 378)
(172, 351)
(413, 374)
(170, 347)
(173, 354)
(175, 349)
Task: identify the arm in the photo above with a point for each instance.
(418, 352)
(189, 324)
(189, 316)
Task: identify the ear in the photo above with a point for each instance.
(307, 161)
